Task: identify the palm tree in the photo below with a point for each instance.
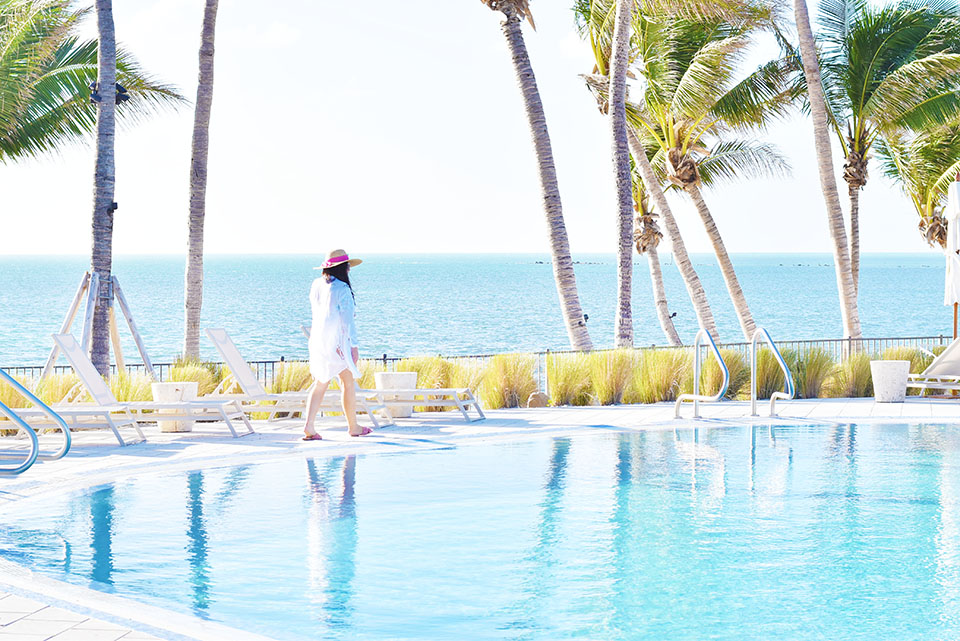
(647, 237)
(619, 60)
(45, 78)
(884, 68)
(103, 186)
(828, 182)
(193, 279)
(690, 97)
(595, 20)
(924, 165)
(514, 11)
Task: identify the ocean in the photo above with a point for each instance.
(463, 304)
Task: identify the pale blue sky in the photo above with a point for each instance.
(388, 127)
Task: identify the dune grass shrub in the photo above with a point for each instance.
(811, 370)
(467, 372)
(368, 368)
(659, 375)
(568, 379)
(508, 381)
(131, 387)
(770, 377)
(851, 378)
(711, 376)
(611, 372)
(54, 388)
(204, 377)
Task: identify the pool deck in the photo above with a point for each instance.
(36, 608)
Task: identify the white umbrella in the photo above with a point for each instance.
(951, 295)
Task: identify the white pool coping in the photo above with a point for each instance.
(96, 459)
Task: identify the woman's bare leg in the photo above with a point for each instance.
(314, 399)
(348, 397)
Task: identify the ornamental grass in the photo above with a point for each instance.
(205, 379)
(851, 379)
(611, 373)
(811, 370)
(711, 376)
(770, 377)
(568, 379)
(131, 387)
(508, 381)
(658, 375)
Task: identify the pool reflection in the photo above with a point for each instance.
(101, 535)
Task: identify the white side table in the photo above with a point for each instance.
(889, 380)
(174, 393)
(397, 380)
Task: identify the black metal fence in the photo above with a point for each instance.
(839, 348)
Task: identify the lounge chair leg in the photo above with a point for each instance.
(243, 417)
(226, 419)
(466, 417)
(476, 406)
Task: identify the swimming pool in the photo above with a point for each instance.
(790, 532)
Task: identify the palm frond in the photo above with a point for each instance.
(731, 160)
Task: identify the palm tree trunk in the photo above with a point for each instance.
(563, 272)
(103, 187)
(853, 192)
(694, 288)
(828, 182)
(619, 60)
(193, 280)
(726, 266)
(660, 298)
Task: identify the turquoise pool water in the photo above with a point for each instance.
(817, 532)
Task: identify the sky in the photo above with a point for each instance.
(390, 127)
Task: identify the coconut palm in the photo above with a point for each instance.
(691, 99)
(883, 68)
(828, 182)
(514, 11)
(595, 20)
(103, 186)
(924, 165)
(647, 238)
(193, 279)
(619, 60)
(45, 78)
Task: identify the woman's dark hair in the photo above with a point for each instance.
(340, 272)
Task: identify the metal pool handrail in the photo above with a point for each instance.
(786, 395)
(56, 418)
(696, 397)
(34, 443)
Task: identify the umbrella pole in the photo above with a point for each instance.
(955, 320)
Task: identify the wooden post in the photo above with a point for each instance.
(92, 292)
(125, 310)
(65, 326)
(115, 339)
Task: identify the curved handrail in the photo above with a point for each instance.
(64, 429)
(34, 442)
(696, 397)
(789, 389)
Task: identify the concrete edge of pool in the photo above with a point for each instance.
(97, 459)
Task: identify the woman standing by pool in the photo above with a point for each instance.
(333, 341)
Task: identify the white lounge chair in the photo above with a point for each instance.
(942, 374)
(460, 398)
(256, 399)
(226, 410)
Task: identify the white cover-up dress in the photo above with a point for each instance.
(334, 330)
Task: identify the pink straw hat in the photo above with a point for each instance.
(337, 257)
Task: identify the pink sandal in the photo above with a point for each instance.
(365, 431)
(312, 437)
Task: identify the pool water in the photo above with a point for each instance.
(791, 532)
